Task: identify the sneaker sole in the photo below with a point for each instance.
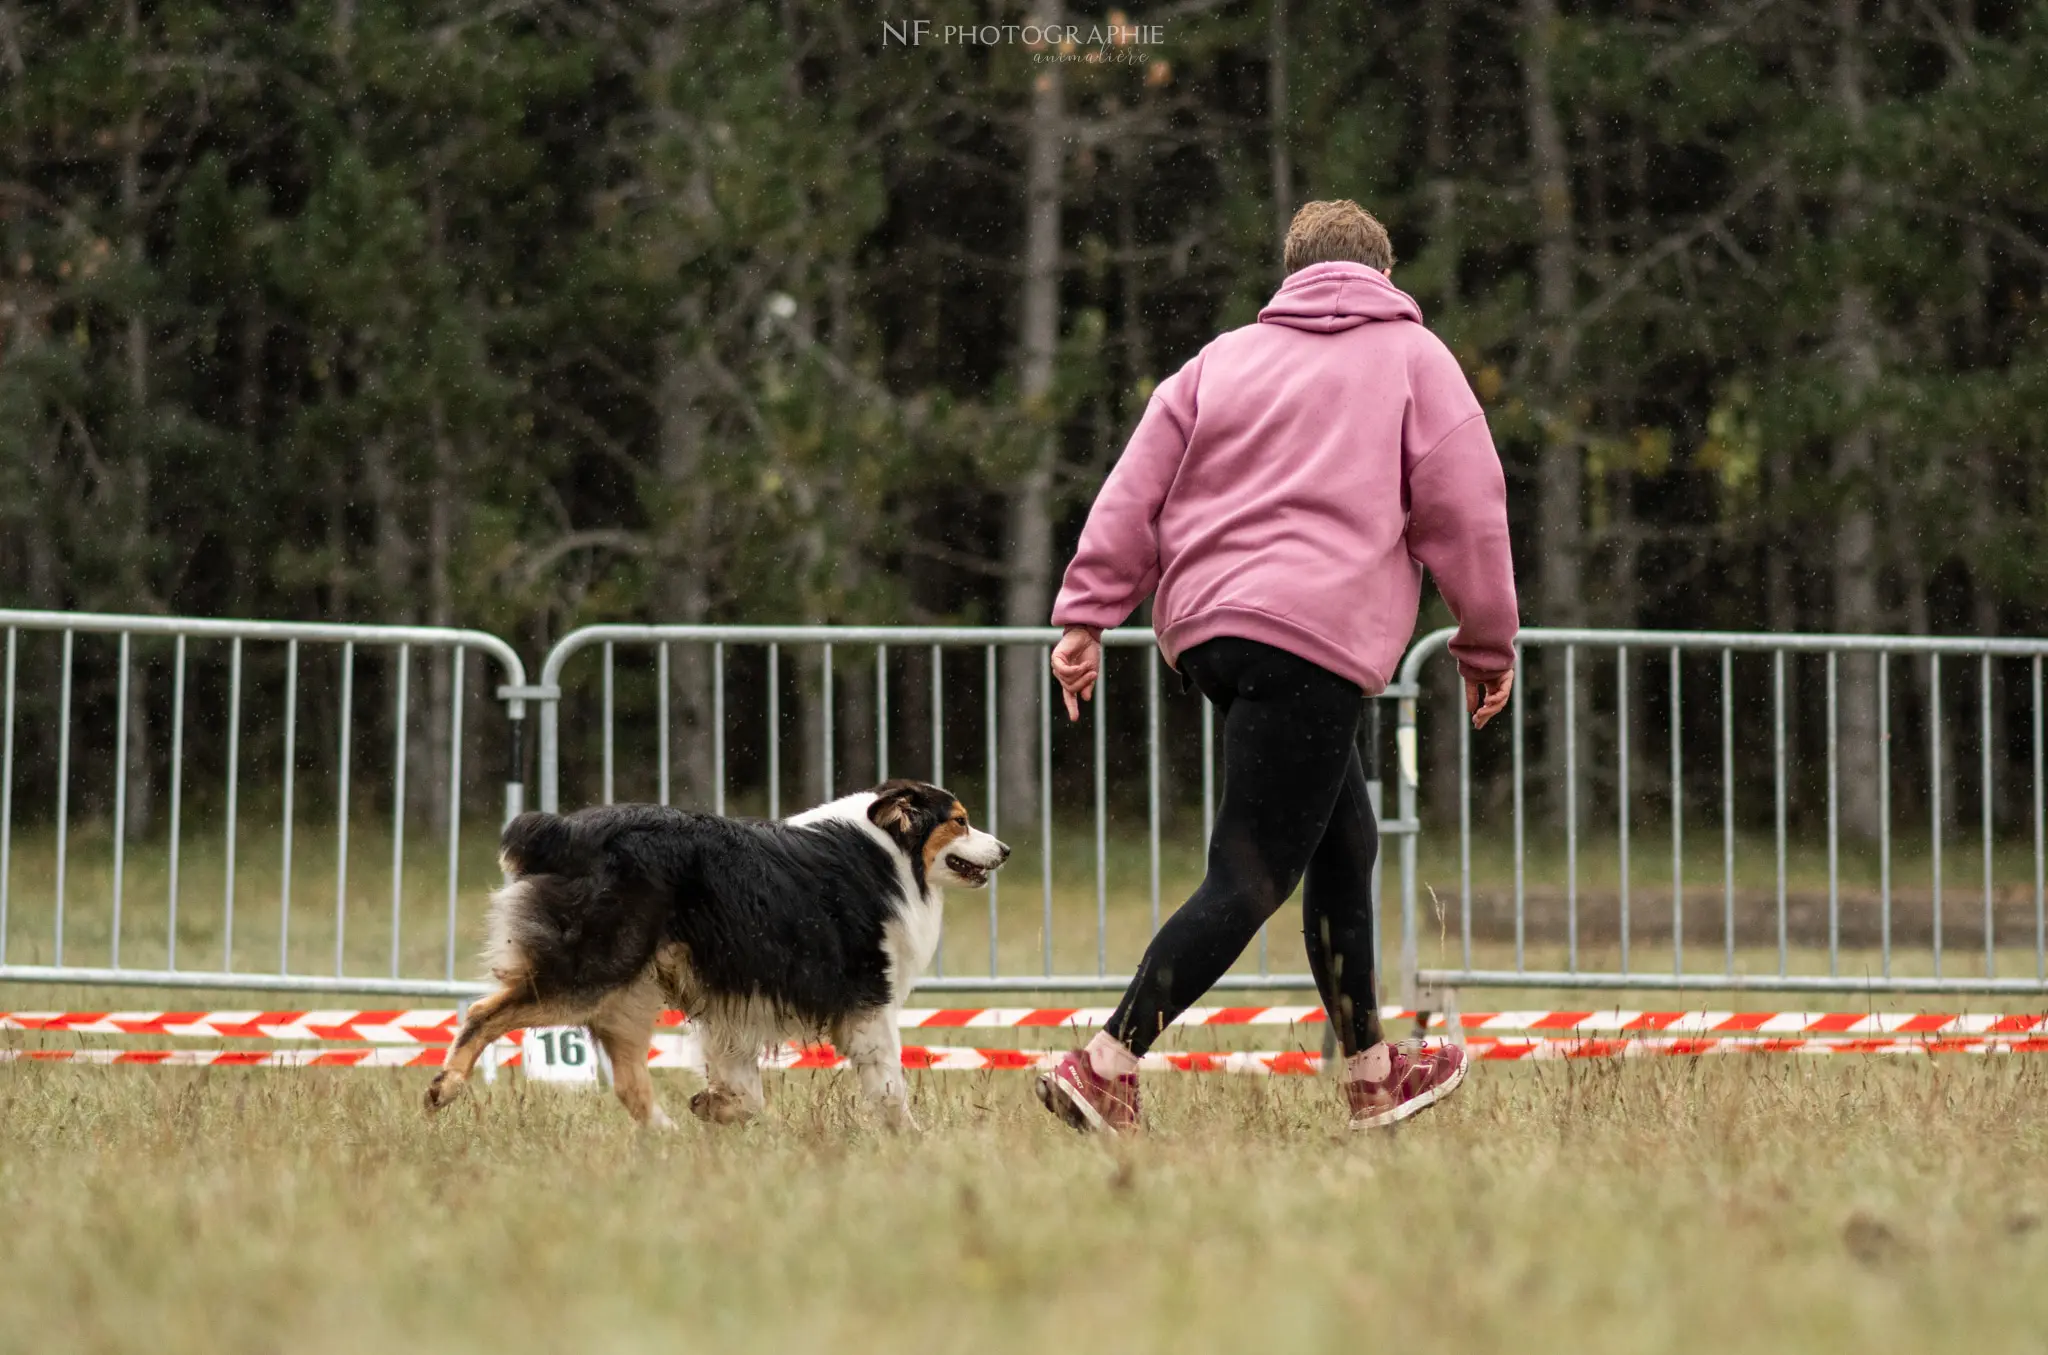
(1051, 1085)
(1414, 1105)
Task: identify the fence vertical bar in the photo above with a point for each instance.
(1375, 796)
(881, 712)
(1834, 824)
(1101, 822)
(63, 789)
(7, 793)
(831, 737)
(1884, 810)
(1728, 807)
(400, 721)
(1934, 791)
(1208, 772)
(1045, 803)
(458, 663)
(120, 799)
(1464, 837)
(608, 722)
(177, 793)
(1152, 780)
(939, 720)
(291, 759)
(1521, 911)
(1571, 807)
(989, 681)
(718, 727)
(774, 731)
(1677, 828)
(661, 718)
(1778, 782)
(227, 940)
(2040, 827)
(348, 689)
(1621, 722)
(1984, 774)
(939, 779)
(1407, 811)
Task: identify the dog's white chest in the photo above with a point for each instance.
(912, 938)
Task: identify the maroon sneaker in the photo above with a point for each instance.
(1420, 1077)
(1086, 1099)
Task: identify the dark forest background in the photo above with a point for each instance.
(523, 315)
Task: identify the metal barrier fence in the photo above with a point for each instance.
(1577, 916)
(2002, 679)
(973, 654)
(238, 664)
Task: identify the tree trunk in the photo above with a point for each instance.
(141, 790)
(682, 546)
(1984, 490)
(1028, 566)
(428, 774)
(1281, 159)
(1854, 556)
(1446, 692)
(1560, 472)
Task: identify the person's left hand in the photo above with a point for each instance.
(1488, 696)
(1077, 663)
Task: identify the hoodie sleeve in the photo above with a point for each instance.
(1458, 527)
(1116, 564)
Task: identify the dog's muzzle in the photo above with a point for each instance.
(973, 864)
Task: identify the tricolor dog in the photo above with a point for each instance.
(760, 931)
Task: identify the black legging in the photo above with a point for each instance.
(1294, 802)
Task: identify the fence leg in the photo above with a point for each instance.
(1404, 781)
(515, 767)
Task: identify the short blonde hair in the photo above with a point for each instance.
(1337, 232)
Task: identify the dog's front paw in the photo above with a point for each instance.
(443, 1089)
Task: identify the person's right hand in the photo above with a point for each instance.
(1488, 696)
(1077, 663)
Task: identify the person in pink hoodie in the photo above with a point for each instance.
(1279, 500)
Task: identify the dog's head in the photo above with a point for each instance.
(931, 827)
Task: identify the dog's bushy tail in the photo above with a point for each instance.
(571, 918)
(538, 843)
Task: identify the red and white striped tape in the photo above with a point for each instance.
(437, 1027)
(955, 1058)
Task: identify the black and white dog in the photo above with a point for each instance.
(759, 931)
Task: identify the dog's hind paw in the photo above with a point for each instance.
(441, 1091)
(716, 1105)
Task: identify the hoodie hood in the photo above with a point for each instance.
(1326, 297)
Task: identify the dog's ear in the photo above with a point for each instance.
(893, 810)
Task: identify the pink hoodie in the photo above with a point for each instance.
(1291, 481)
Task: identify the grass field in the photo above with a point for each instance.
(1857, 1204)
(1868, 1205)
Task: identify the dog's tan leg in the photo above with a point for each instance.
(499, 1014)
(875, 1048)
(624, 1025)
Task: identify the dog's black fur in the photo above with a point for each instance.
(759, 930)
(790, 915)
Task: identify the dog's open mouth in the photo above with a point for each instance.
(967, 871)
